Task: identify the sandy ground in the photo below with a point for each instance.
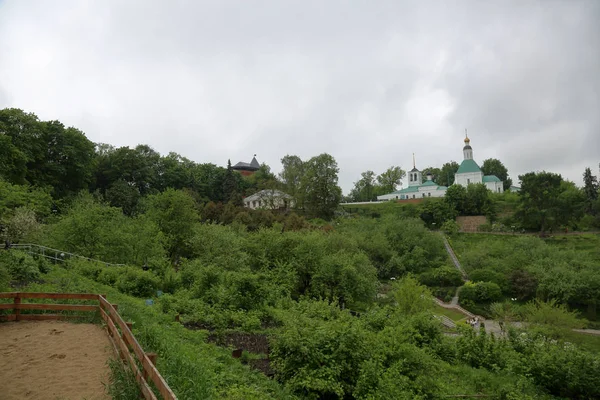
(53, 360)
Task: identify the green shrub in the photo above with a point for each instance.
(480, 292)
(171, 281)
(138, 283)
(450, 227)
(443, 276)
(4, 278)
(110, 275)
(21, 266)
(86, 268)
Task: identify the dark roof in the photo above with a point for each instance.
(252, 166)
(467, 147)
(414, 170)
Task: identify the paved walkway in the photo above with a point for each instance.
(453, 257)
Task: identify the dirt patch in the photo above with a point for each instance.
(53, 360)
(253, 343)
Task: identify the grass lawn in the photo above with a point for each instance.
(583, 340)
(449, 312)
(589, 243)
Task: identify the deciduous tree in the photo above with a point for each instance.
(320, 185)
(391, 179)
(493, 166)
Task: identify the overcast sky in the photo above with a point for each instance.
(369, 82)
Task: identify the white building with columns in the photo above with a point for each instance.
(469, 172)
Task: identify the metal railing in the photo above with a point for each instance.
(54, 254)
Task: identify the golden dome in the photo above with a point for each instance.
(467, 140)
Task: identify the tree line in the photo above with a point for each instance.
(62, 161)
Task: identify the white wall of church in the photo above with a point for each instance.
(495, 187)
(465, 179)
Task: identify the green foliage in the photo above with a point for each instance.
(96, 230)
(480, 292)
(319, 350)
(173, 211)
(19, 266)
(437, 212)
(390, 179)
(450, 227)
(547, 202)
(320, 186)
(443, 276)
(16, 196)
(45, 153)
(138, 283)
(552, 313)
(411, 297)
(493, 166)
(21, 225)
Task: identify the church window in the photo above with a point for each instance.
(468, 181)
(423, 194)
(429, 194)
(254, 204)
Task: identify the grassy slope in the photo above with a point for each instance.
(589, 243)
(193, 368)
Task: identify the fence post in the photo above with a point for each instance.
(152, 357)
(17, 303)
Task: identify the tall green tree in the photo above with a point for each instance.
(364, 188)
(229, 184)
(546, 201)
(291, 178)
(590, 188)
(53, 156)
(320, 183)
(174, 211)
(456, 198)
(493, 166)
(447, 172)
(391, 179)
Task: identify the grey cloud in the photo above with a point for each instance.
(368, 82)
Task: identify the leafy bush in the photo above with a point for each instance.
(4, 278)
(138, 283)
(443, 276)
(480, 292)
(110, 276)
(450, 227)
(20, 266)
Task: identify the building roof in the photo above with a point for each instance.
(268, 193)
(414, 170)
(468, 166)
(429, 183)
(491, 178)
(251, 166)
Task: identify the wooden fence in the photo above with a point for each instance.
(123, 341)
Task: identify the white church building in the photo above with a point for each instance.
(468, 172)
(416, 188)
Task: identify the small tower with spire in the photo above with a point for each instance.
(467, 150)
(414, 176)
